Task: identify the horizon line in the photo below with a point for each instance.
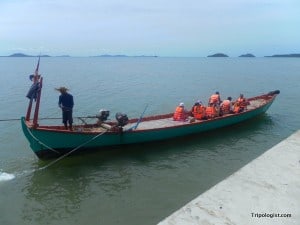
(216, 55)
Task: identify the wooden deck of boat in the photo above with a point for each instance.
(167, 122)
(256, 103)
(161, 123)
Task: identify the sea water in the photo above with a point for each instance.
(140, 184)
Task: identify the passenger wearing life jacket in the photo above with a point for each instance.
(180, 113)
(215, 99)
(240, 104)
(211, 111)
(198, 111)
(226, 106)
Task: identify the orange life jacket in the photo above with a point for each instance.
(239, 105)
(214, 99)
(211, 111)
(236, 108)
(179, 113)
(198, 112)
(242, 102)
(225, 107)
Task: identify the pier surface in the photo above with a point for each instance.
(265, 191)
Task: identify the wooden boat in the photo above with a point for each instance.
(55, 141)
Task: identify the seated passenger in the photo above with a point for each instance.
(211, 111)
(226, 106)
(240, 104)
(198, 111)
(215, 99)
(180, 114)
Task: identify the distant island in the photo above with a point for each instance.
(24, 55)
(247, 55)
(285, 55)
(218, 55)
(63, 56)
(107, 55)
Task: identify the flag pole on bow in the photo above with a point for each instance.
(35, 94)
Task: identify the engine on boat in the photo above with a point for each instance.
(122, 119)
(103, 115)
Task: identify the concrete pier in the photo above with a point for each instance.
(265, 191)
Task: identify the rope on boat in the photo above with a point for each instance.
(43, 144)
(49, 118)
(73, 150)
(4, 120)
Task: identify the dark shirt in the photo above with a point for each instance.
(66, 101)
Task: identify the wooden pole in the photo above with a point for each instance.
(37, 104)
(29, 110)
(35, 80)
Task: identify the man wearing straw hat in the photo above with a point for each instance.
(66, 103)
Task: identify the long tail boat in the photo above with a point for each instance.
(48, 141)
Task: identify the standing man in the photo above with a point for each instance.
(66, 103)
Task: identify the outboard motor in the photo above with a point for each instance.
(122, 119)
(103, 115)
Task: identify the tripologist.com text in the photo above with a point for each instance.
(270, 215)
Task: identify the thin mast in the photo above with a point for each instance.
(37, 80)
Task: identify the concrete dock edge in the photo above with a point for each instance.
(265, 191)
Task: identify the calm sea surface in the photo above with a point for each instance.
(138, 184)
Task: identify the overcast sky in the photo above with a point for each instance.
(153, 27)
